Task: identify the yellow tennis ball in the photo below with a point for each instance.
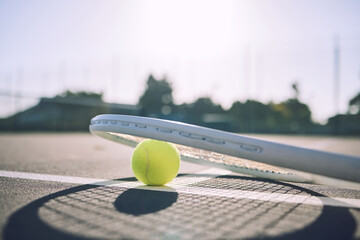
(155, 162)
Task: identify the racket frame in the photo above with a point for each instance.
(310, 165)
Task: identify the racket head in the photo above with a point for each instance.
(195, 144)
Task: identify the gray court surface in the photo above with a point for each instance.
(78, 186)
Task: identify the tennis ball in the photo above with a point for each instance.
(155, 162)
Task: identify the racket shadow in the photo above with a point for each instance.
(106, 212)
(329, 222)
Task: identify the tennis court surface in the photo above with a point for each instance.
(78, 186)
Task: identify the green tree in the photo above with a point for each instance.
(157, 98)
(354, 104)
(295, 87)
(251, 116)
(199, 111)
(80, 94)
(295, 115)
(204, 105)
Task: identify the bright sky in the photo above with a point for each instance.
(229, 50)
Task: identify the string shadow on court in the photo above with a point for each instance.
(105, 212)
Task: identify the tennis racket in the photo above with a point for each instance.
(234, 152)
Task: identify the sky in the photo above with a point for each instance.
(227, 50)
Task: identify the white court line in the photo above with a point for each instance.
(181, 185)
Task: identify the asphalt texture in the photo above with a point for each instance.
(78, 186)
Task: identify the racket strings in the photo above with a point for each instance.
(188, 153)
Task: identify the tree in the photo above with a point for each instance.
(251, 116)
(157, 98)
(204, 105)
(354, 104)
(296, 115)
(295, 87)
(80, 94)
(203, 112)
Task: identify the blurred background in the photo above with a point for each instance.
(250, 66)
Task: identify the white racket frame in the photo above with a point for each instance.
(310, 165)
